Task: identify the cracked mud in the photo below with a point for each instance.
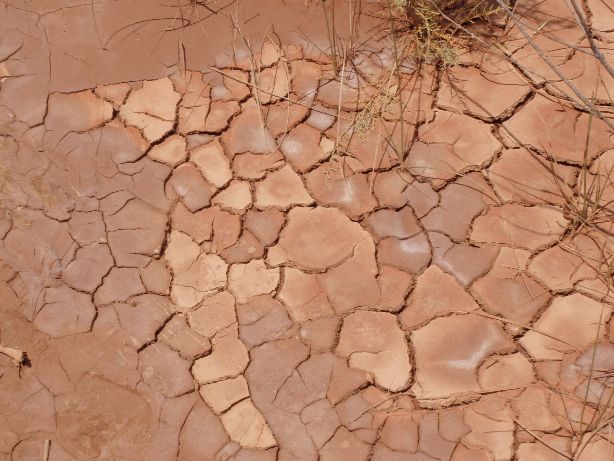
(205, 266)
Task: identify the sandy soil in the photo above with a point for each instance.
(203, 262)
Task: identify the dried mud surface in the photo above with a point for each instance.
(201, 266)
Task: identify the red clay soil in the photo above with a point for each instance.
(214, 264)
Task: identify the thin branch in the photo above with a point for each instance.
(293, 101)
(591, 40)
(588, 104)
(542, 441)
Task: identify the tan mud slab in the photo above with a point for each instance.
(200, 270)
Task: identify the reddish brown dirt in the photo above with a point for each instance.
(199, 269)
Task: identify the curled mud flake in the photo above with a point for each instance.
(17, 356)
(582, 66)
(280, 118)
(119, 143)
(270, 54)
(461, 452)
(307, 384)
(419, 195)
(226, 230)
(388, 189)
(331, 91)
(393, 287)
(400, 433)
(321, 119)
(319, 334)
(378, 143)
(431, 442)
